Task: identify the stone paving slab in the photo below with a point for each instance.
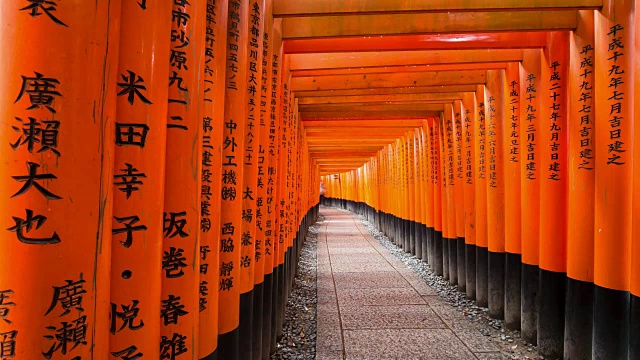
(329, 355)
(363, 267)
(384, 296)
(363, 250)
(370, 280)
(372, 306)
(432, 344)
(358, 258)
(390, 317)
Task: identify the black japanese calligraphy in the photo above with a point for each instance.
(67, 337)
(43, 7)
(41, 91)
(129, 228)
(5, 305)
(130, 353)
(69, 296)
(132, 86)
(8, 344)
(127, 180)
(25, 225)
(171, 310)
(171, 348)
(174, 224)
(173, 262)
(34, 132)
(31, 180)
(131, 134)
(127, 315)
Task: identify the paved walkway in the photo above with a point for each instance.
(372, 306)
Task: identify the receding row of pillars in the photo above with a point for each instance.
(153, 192)
(526, 194)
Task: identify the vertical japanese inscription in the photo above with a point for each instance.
(585, 101)
(493, 148)
(531, 113)
(180, 258)
(270, 247)
(233, 148)
(514, 121)
(616, 148)
(251, 147)
(40, 92)
(230, 151)
(482, 140)
(207, 160)
(468, 141)
(458, 141)
(555, 130)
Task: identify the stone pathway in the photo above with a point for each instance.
(372, 306)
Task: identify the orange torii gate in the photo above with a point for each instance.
(161, 163)
(537, 128)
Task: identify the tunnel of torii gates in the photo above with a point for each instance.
(162, 160)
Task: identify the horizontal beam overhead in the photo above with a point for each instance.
(337, 82)
(326, 161)
(343, 154)
(363, 123)
(372, 107)
(282, 8)
(388, 91)
(401, 58)
(379, 98)
(353, 133)
(426, 23)
(369, 114)
(399, 69)
(372, 142)
(494, 40)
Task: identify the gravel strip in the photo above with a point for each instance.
(299, 333)
(510, 342)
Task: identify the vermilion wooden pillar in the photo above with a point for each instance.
(450, 164)
(249, 162)
(428, 189)
(634, 333)
(420, 196)
(263, 261)
(235, 117)
(57, 148)
(279, 231)
(407, 192)
(415, 188)
(454, 184)
(402, 192)
(554, 176)
(531, 137)
(614, 73)
(580, 247)
(138, 200)
(411, 193)
(434, 138)
(458, 171)
(271, 241)
(481, 166)
(494, 114)
(213, 76)
(444, 204)
(180, 299)
(512, 149)
(469, 111)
